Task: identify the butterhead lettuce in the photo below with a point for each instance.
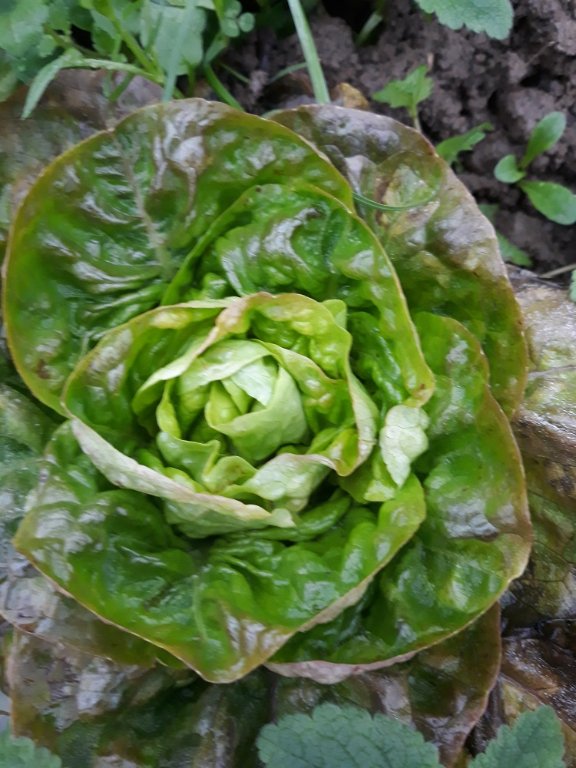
(269, 456)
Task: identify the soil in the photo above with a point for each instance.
(510, 84)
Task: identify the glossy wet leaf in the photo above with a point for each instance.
(188, 543)
(515, 699)
(541, 671)
(444, 251)
(468, 548)
(157, 717)
(73, 107)
(137, 199)
(223, 605)
(442, 691)
(94, 713)
(546, 423)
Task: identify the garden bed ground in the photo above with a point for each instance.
(510, 84)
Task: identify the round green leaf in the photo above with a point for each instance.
(507, 170)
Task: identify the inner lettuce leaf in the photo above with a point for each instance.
(234, 411)
(107, 225)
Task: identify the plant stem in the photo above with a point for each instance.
(220, 89)
(317, 78)
(559, 271)
(373, 21)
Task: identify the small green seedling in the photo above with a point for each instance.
(347, 737)
(407, 93)
(509, 252)
(554, 201)
(450, 149)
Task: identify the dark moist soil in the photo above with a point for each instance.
(510, 84)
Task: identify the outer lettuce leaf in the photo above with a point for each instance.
(73, 107)
(150, 718)
(546, 423)
(108, 224)
(444, 250)
(475, 539)
(545, 427)
(223, 605)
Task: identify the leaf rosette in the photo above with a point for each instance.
(267, 459)
(243, 409)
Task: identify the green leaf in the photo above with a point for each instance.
(22, 26)
(534, 741)
(70, 58)
(554, 201)
(152, 231)
(462, 556)
(20, 752)
(573, 287)
(343, 737)
(544, 136)
(173, 34)
(507, 170)
(265, 588)
(8, 76)
(409, 92)
(511, 253)
(443, 249)
(494, 17)
(251, 393)
(450, 149)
